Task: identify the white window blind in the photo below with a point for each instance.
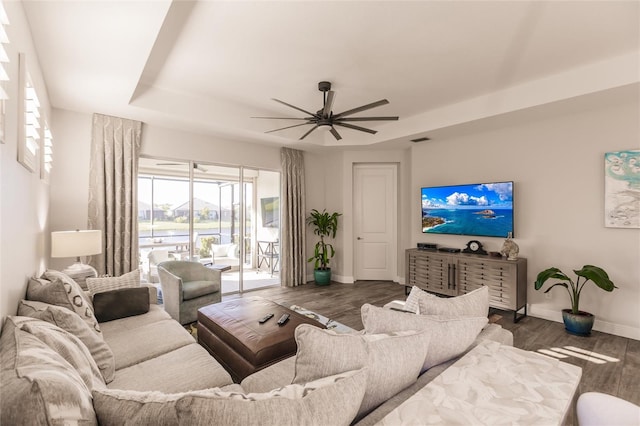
(47, 153)
(4, 58)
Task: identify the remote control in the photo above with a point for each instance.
(283, 319)
(265, 318)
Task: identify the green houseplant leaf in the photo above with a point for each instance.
(588, 273)
(325, 225)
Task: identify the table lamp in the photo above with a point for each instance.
(75, 244)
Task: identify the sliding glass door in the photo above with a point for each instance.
(216, 215)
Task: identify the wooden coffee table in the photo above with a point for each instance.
(230, 331)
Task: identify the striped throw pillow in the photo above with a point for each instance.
(100, 285)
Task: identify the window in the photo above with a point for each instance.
(207, 213)
(46, 159)
(29, 125)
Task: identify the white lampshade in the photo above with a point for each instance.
(76, 243)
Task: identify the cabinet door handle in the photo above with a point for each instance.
(453, 275)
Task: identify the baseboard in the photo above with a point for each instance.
(334, 277)
(599, 325)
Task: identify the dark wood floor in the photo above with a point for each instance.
(342, 302)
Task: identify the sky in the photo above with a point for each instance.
(489, 195)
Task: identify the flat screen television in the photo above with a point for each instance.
(270, 208)
(482, 209)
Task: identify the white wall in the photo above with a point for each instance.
(558, 168)
(24, 199)
(329, 177)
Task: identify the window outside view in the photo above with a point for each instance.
(164, 214)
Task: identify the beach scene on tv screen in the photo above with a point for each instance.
(480, 209)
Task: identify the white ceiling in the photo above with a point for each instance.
(209, 66)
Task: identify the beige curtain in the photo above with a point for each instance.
(113, 191)
(292, 255)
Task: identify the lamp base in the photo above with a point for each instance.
(80, 269)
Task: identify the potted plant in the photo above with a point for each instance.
(576, 321)
(325, 225)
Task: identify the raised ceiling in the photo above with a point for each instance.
(208, 66)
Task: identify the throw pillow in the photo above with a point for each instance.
(99, 285)
(393, 361)
(63, 292)
(67, 346)
(450, 337)
(411, 304)
(329, 401)
(121, 303)
(38, 385)
(472, 304)
(69, 321)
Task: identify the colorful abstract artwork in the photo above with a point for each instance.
(622, 189)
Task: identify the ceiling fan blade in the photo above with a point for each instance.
(295, 107)
(351, 126)
(328, 103)
(286, 118)
(307, 134)
(362, 108)
(335, 134)
(368, 119)
(288, 127)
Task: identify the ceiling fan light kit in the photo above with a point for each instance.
(325, 119)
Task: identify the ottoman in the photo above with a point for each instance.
(230, 331)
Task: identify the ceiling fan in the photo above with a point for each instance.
(326, 118)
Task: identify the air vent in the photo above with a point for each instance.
(420, 139)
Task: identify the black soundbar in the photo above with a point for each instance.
(449, 250)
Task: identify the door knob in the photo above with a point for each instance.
(360, 238)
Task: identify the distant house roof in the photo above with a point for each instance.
(198, 205)
(142, 206)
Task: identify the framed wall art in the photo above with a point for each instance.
(622, 189)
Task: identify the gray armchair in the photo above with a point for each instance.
(186, 287)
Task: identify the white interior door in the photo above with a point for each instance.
(375, 198)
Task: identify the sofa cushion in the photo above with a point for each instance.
(156, 313)
(472, 304)
(131, 346)
(102, 284)
(39, 387)
(67, 346)
(195, 289)
(121, 303)
(274, 376)
(62, 291)
(187, 368)
(220, 250)
(449, 336)
(71, 322)
(393, 361)
(329, 401)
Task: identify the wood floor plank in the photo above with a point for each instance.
(630, 380)
(342, 302)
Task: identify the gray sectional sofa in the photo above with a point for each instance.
(43, 382)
